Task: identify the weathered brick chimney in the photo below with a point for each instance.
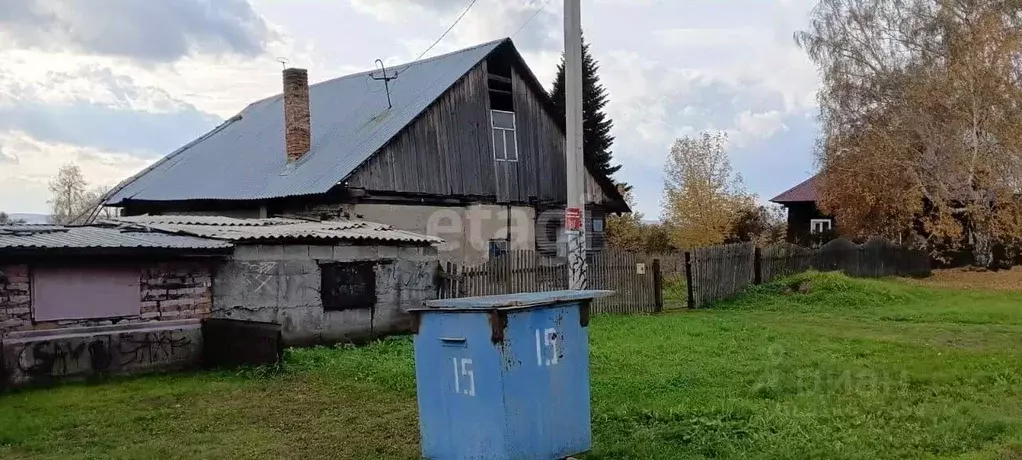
(297, 121)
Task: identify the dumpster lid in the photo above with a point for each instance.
(512, 301)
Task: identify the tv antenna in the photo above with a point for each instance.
(386, 80)
(283, 62)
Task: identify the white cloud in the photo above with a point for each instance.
(750, 126)
(23, 185)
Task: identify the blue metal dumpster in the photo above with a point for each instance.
(504, 377)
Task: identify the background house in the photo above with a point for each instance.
(323, 282)
(804, 216)
(466, 146)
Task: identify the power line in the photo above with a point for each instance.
(398, 73)
(456, 21)
(527, 21)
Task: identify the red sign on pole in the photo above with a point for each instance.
(572, 219)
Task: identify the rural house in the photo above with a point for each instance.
(466, 146)
(81, 301)
(804, 217)
(322, 282)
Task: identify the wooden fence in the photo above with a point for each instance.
(719, 272)
(635, 279)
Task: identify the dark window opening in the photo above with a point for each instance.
(499, 83)
(498, 248)
(502, 101)
(348, 285)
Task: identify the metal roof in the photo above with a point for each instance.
(58, 237)
(254, 230)
(803, 192)
(514, 301)
(243, 158)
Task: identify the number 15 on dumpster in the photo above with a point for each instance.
(548, 347)
(464, 378)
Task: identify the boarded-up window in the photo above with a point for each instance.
(348, 285)
(84, 293)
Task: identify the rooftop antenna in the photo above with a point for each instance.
(283, 62)
(386, 80)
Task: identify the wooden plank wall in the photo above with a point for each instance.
(447, 150)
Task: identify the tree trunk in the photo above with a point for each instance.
(982, 250)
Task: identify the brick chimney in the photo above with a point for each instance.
(297, 121)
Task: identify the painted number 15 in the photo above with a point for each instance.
(464, 378)
(548, 347)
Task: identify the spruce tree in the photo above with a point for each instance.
(596, 138)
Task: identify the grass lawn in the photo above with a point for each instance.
(850, 369)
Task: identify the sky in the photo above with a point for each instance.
(115, 86)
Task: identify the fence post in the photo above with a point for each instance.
(688, 278)
(658, 286)
(757, 266)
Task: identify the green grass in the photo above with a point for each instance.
(850, 369)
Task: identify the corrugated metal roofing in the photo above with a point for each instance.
(803, 192)
(56, 237)
(243, 159)
(249, 230)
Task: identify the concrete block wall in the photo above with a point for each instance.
(281, 284)
(169, 290)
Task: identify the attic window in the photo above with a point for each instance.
(505, 146)
(499, 84)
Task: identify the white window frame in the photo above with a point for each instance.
(504, 133)
(817, 225)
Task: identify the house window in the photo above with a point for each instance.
(348, 285)
(498, 248)
(60, 293)
(597, 225)
(820, 225)
(505, 147)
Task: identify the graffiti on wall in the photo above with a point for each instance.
(259, 276)
(57, 357)
(48, 359)
(144, 348)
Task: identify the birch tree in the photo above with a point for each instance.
(920, 105)
(703, 196)
(70, 198)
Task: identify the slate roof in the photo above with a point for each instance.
(801, 193)
(59, 237)
(243, 158)
(255, 230)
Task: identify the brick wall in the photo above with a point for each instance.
(176, 290)
(15, 302)
(168, 290)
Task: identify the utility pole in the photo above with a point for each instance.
(574, 214)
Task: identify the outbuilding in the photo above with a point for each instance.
(322, 281)
(79, 301)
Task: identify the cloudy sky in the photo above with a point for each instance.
(115, 86)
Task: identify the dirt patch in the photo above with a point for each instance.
(972, 279)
